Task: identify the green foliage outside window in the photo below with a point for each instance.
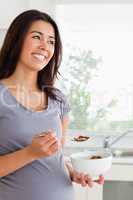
(80, 67)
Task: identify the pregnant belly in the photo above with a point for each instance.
(36, 182)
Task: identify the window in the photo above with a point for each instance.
(97, 65)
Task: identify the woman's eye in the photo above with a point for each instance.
(52, 42)
(36, 37)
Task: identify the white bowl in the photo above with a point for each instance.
(94, 167)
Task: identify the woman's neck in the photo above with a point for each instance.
(26, 80)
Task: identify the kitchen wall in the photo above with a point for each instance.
(9, 9)
(43, 5)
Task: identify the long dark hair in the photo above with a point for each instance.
(12, 46)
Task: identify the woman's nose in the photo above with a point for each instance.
(44, 45)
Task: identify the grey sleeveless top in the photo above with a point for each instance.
(45, 178)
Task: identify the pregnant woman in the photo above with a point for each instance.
(33, 114)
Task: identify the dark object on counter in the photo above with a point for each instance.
(81, 138)
(95, 157)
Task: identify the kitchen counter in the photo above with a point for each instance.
(97, 141)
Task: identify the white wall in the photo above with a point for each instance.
(9, 9)
(96, 1)
(47, 6)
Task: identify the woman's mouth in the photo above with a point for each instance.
(39, 57)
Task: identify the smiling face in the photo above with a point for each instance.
(38, 47)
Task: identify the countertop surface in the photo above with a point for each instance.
(97, 141)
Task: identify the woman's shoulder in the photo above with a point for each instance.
(63, 103)
(61, 97)
(1, 85)
(4, 83)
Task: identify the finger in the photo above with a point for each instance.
(46, 135)
(45, 144)
(100, 180)
(75, 176)
(54, 147)
(50, 142)
(83, 182)
(43, 134)
(47, 138)
(89, 180)
(50, 135)
(51, 149)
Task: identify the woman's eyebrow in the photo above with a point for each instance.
(40, 33)
(37, 32)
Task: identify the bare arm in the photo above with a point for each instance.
(65, 123)
(41, 146)
(13, 161)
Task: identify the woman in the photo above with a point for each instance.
(33, 114)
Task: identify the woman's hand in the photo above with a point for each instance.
(45, 144)
(85, 179)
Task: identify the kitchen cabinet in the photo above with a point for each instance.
(86, 193)
(118, 190)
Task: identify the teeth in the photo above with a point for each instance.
(39, 57)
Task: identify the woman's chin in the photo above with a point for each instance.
(37, 67)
